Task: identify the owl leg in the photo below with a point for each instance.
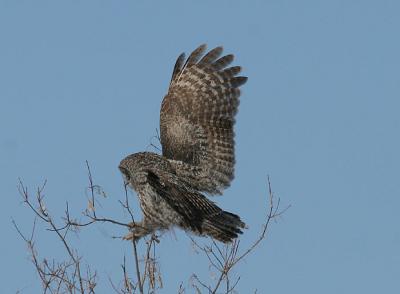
(141, 229)
(137, 230)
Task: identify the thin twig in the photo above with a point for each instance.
(135, 254)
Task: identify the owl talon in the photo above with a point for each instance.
(137, 231)
(154, 237)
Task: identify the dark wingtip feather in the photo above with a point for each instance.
(223, 62)
(212, 55)
(232, 71)
(178, 65)
(224, 227)
(196, 54)
(238, 81)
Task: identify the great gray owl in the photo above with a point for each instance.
(197, 137)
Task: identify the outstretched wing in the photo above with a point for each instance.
(197, 118)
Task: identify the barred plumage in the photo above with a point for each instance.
(197, 137)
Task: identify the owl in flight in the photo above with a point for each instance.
(197, 137)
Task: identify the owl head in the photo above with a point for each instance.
(136, 166)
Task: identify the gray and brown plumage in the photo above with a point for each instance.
(197, 137)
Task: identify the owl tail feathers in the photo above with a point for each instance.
(224, 226)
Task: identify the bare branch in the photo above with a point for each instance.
(70, 276)
(223, 259)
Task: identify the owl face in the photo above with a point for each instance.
(130, 166)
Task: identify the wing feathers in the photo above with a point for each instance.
(232, 71)
(211, 56)
(195, 55)
(223, 62)
(238, 81)
(178, 66)
(190, 205)
(197, 118)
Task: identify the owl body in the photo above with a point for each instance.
(197, 137)
(158, 214)
(168, 201)
(137, 168)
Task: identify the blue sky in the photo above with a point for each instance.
(83, 80)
